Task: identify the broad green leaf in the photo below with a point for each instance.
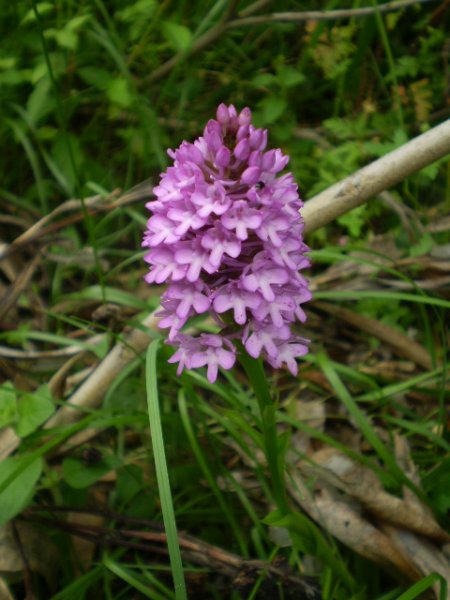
(289, 77)
(96, 76)
(15, 497)
(12, 78)
(178, 36)
(78, 474)
(63, 158)
(8, 413)
(130, 481)
(41, 7)
(33, 410)
(272, 108)
(39, 71)
(138, 10)
(76, 22)
(8, 62)
(264, 80)
(354, 220)
(67, 39)
(118, 92)
(39, 102)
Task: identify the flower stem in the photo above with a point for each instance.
(267, 408)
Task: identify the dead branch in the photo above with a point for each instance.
(376, 177)
(194, 550)
(91, 392)
(324, 15)
(226, 23)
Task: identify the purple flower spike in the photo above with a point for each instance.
(225, 235)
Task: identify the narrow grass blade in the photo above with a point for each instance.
(397, 475)
(274, 454)
(132, 580)
(162, 474)
(425, 584)
(381, 295)
(228, 515)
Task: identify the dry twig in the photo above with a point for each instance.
(376, 177)
(193, 550)
(324, 15)
(398, 341)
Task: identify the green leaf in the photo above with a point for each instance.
(8, 408)
(76, 22)
(272, 108)
(67, 39)
(33, 410)
(130, 481)
(423, 246)
(138, 10)
(62, 158)
(289, 77)
(118, 92)
(78, 475)
(354, 220)
(96, 76)
(15, 497)
(264, 80)
(12, 78)
(41, 7)
(39, 102)
(178, 36)
(7, 63)
(39, 71)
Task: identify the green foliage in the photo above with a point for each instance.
(22, 477)
(33, 410)
(81, 474)
(24, 412)
(178, 36)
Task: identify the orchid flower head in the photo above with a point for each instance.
(225, 236)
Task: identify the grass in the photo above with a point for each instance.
(162, 475)
(89, 103)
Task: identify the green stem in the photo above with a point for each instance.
(267, 408)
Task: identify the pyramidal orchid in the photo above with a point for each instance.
(226, 236)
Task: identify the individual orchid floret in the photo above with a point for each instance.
(211, 352)
(225, 235)
(235, 298)
(287, 352)
(240, 218)
(265, 337)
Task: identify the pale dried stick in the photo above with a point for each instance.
(91, 391)
(324, 15)
(376, 177)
